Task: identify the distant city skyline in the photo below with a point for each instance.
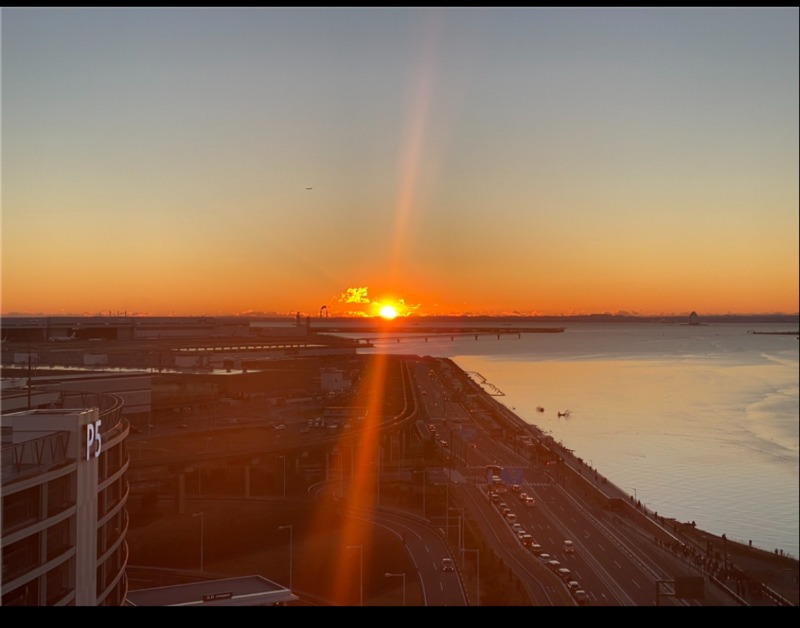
(414, 161)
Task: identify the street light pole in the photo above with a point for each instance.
(460, 527)
(424, 474)
(477, 572)
(200, 514)
(289, 526)
(352, 463)
(284, 476)
(389, 575)
(447, 506)
(341, 469)
(378, 481)
(361, 573)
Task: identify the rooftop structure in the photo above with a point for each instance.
(242, 591)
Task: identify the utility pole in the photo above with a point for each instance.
(29, 376)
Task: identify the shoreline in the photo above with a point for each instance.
(656, 429)
(740, 560)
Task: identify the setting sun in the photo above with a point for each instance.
(388, 312)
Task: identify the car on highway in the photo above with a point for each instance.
(581, 597)
(447, 564)
(569, 547)
(573, 585)
(535, 548)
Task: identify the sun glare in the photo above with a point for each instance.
(388, 312)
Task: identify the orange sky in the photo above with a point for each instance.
(514, 161)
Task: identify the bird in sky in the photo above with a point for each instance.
(309, 188)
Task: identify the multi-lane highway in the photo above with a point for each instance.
(611, 558)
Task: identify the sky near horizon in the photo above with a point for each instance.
(214, 161)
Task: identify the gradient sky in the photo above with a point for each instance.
(462, 160)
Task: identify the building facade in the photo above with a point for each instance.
(63, 505)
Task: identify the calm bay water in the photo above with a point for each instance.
(700, 423)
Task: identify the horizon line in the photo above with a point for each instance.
(294, 315)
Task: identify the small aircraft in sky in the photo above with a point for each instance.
(309, 188)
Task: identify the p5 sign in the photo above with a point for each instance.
(94, 440)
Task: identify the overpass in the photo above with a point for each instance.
(253, 448)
